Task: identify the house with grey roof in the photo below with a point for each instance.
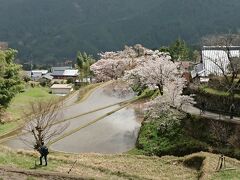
(48, 76)
(64, 72)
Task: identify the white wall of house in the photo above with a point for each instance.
(212, 59)
(61, 91)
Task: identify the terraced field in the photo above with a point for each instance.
(101, 123)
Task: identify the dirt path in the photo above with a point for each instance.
(17, 174)
(195, 111)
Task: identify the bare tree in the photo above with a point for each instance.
(221, 133)
(44, 125)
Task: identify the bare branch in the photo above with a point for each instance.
(43, 126)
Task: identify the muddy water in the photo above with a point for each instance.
(96, 100)
(114, 134)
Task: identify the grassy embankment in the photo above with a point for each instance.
(19, 106)
(153, 140)
(85, 91)
(173, 141)
(217, 92)
(124, 166)
(181, 139)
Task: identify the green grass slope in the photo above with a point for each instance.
(19, 106)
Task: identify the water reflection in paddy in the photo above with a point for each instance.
(113, 134)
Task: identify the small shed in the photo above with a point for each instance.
(61, 89)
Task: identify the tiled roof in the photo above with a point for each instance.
(60, 68)
(57, 73)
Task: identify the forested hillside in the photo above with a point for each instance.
(54, 30)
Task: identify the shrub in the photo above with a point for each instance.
(171, 142)
(218, 103)
(192, 135)
(70, 81)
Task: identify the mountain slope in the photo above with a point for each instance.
(52, 30)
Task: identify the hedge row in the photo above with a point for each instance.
(194, 134)
(215, 103)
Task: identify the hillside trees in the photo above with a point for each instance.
(178, 50)
(43, 31)
(10, 79)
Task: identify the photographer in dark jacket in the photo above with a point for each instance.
(43, 150)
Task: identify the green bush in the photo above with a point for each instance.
(147, 93)
(70, 81)
(171, 142)
(215, 102)
(192, 135)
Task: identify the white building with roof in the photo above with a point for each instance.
(70, 73)
(61, 89)
(215, 57)
(36, 74)
(64, 72)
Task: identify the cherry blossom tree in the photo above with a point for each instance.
(143, 67)
(114, 65)
(154, 73)
(108, 69)
(172, 98)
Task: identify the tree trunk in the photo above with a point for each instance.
(160, 89)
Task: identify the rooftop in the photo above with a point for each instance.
(61, 86)
(39, 71)
(63, 68)
(48, 76)
(71, 72)
(67, 72)
(220, 47)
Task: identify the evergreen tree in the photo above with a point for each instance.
(10, 79)
(178, 50)
(84, 61)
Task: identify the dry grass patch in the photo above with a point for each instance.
(135, 167)
(99, 166)
(210, 162)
